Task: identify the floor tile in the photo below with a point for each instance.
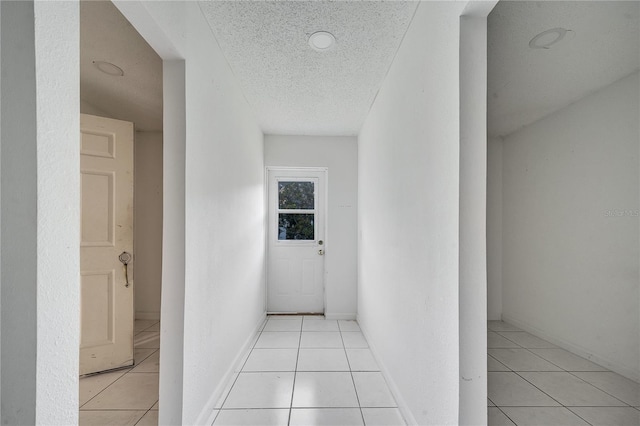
(567, 361)
(271, 360)
(495, 365)
(501, 326)
(326, 325)
(362, 360)
(373, 390)
(509, 389)
(92, 385)
(494, 341)
(609, 416)
(526, 340)
(354, 340)
(149, 365)
(110, 417)
(489, 403)
(263, 417)
(614, 384)
(498, 418)
(294, 324)
(147, 339)
(320, 339)
(326, 417)
(324, 390)
(348, 325)
(543, 416)
(261, 390)
(140, 354)
(278, 340)
(154, 327)
(570, 390)
(322, 360)
(522, 360)
(382, 417)
(314, 317)
(130, 392)
(149, 419)
(156, 406)
(142, 325)
(284, 317)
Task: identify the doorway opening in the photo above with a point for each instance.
(121, 81)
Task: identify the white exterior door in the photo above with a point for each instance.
(296, 240)
(106, 305)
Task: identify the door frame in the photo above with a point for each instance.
(325, 212)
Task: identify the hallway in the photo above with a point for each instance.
(533, 382)
(309, 371)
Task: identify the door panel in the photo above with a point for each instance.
(296, 243)
(106, 306)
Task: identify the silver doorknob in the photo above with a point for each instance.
(321, 252)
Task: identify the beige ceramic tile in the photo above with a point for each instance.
(133, 391)
(92, 385)
(109, 417)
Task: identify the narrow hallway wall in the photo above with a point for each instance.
(409, 168)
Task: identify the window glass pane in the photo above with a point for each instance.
(295, 195)
(295, 226)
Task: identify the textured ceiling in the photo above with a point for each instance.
(294, 89)
(527, 84)
(105, 35)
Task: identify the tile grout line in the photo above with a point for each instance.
(353, 380)
(295, 373)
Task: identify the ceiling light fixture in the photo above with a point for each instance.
(109, 68)
(322, 41)
(548, 38)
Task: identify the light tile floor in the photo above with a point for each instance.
(532, 382)
(312, 371)
(129, 396)
(309, 371)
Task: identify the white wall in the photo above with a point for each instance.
(340, 155)
(40, 212)
(408, 219)
(148, 224)
(494, 228)
(473, 216)
(570, 227)
(223, 210)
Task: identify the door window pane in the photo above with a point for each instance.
(296, 195)
(293, 226)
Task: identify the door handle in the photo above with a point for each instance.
(125, 258)
(321, 252)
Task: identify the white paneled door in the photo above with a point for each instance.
(106, 306)
(296, 240)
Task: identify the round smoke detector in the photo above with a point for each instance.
(109, 68)
(322, 41)
(548, 38)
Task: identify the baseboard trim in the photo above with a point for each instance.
(148, 316)
(339, 316)
(402, 405)
(629, 373)
(209, 412)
